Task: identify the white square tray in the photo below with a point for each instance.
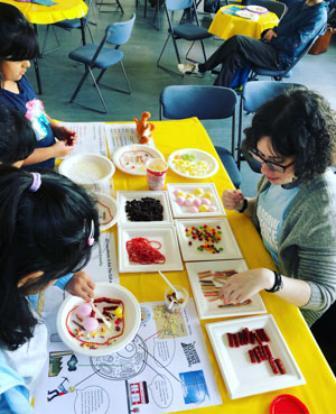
(124, 196)
(183, 211)
(228, 242)
(165, 234)
(242, 378)
(209, 310)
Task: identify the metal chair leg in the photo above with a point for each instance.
(80, 84)
(101, 75)
(240, 126)
(162, 51)
(176, 49)
(97, 89)
(126, 77)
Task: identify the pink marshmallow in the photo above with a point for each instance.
(90, 324)
(84, 310)
(205, 201)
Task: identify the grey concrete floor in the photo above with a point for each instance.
(60, 75)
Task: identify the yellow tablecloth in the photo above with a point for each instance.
(226, 25)
(62, 10)
(319, 394)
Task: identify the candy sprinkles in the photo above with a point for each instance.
(145, 209)
(208, 236)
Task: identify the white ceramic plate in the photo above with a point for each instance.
(227, 243)
(257, 9)
(210, 309)
(165, 235)
(131, 159)
(107, 211)
(242, 378)
(197, 193)
(196, 156)
(132, 319)
(124, 196)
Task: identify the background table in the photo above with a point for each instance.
(319, 394)
(37, 14)
(226, 25)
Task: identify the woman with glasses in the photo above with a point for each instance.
(293, 138)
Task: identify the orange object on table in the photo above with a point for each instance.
(226, 25)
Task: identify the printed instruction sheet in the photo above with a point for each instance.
(164, 369)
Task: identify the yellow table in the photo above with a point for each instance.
(37, 14)
(319, 394)
(226, 25)
(62, 10)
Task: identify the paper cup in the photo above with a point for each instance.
(156, 169)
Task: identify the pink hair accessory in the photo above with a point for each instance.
(91, 240)
(37, 181)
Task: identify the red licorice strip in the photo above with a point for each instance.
(280, 366)
(241, 338)
(246, 336)
(140, 250)
(252, 356)
(274, 366)
(262, 335)
(235, 340)
(268, 352)
(231, 341)
(257, 356)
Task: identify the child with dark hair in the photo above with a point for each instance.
(293, 138)
(17, 47)
(48, 227)
(17, 139)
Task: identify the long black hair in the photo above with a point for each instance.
(300, 123)
(17, 138)
(18, 39)
(47, 230)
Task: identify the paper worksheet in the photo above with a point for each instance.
(102, 138)
(164, 369)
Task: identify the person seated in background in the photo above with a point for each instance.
(17, 138)
(293, 138)
(17, 46)
(278, 48)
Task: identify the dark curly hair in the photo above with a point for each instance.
(300, 124)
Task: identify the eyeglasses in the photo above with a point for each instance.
(257, 156)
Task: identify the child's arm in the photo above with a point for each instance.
(57, 150)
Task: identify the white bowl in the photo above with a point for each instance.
(87, 169)
(106, 204)
(132, 319)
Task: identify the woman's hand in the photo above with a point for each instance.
(81, 285)
(233, 199)
(64, 134)
(243, 286)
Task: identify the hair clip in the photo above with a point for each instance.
(91, 240)
(37, 181)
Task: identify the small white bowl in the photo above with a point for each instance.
(106, 205)
(132, 319)
(87, 169)
(173, 306)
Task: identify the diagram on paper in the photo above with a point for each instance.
(165, 368)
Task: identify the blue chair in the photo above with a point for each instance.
(256, 94)
(185, 29)
(68, 25)
(276, 7)
(278, 75)
(203, 102)
(101, 57)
